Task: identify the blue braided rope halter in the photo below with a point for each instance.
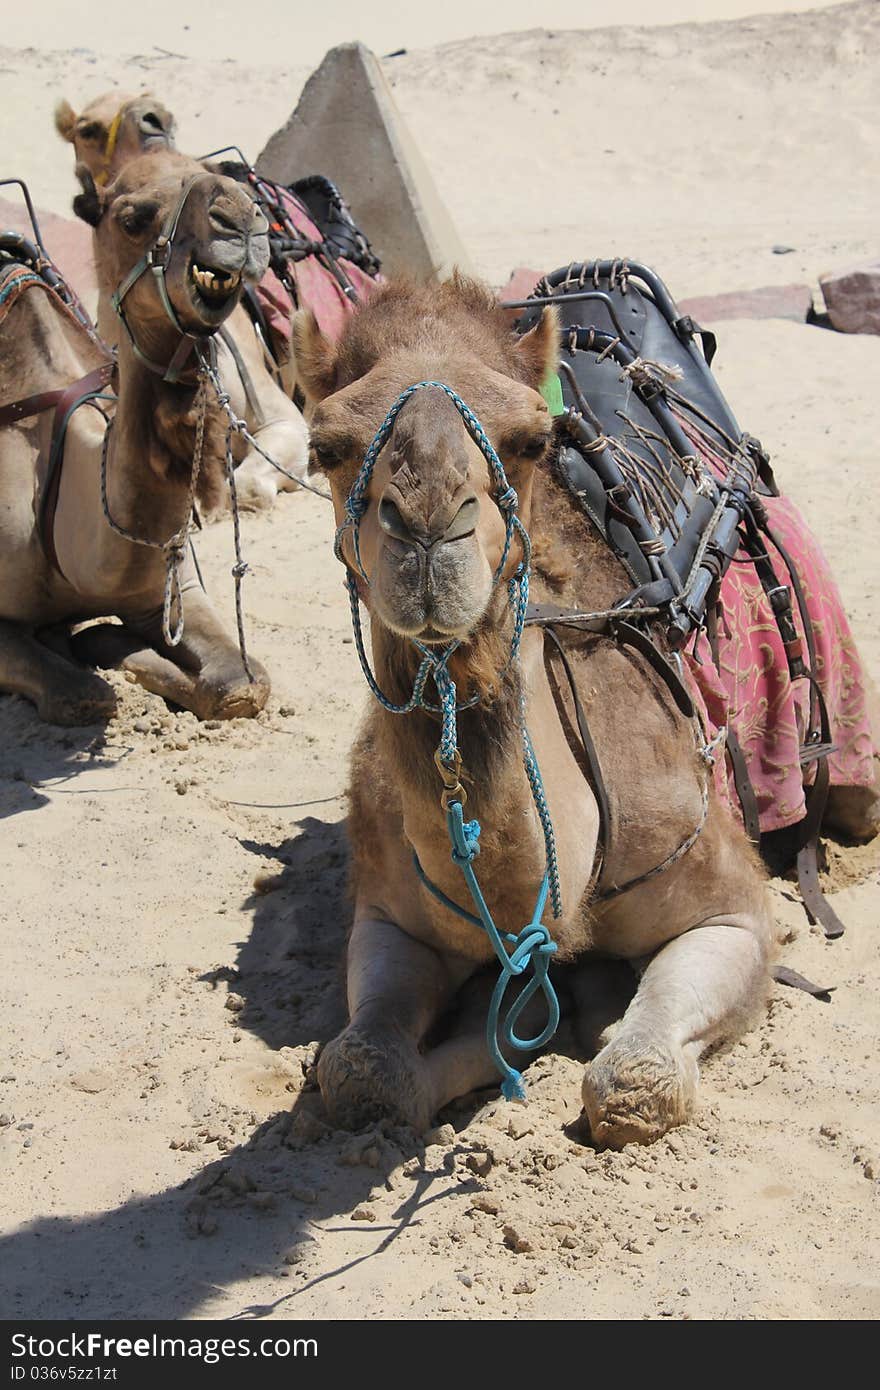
(533, 946)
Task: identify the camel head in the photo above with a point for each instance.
(432, 536)
(114, 129)
(218, 243)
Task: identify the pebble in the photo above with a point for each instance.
(524, 1286)
(443, 1134)
(268, 881)
(234, 1003)
(181, 787)
(303, 1194)
(286, 711)
(479, 1163)
(520, 1245)
(5, 1120)
(142, 726)
(781, 250)
(363, 1214)
(486, 1204)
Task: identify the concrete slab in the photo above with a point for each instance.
(347, 126)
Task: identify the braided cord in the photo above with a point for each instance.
(175, 547)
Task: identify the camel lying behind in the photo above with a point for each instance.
(107, 134)
(134, 482)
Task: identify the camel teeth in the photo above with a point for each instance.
(215, 282)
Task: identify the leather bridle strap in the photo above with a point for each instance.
(157, 259)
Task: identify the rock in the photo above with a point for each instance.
(486, 1204)
(443, 1134)
(363, 1214)
(5, 1120)
(142, 726)
(234, 1003)
(525, 1286)
(781, 250)
(519, 1244)
(480, 1163)
(852, 298)
(268, 881)
(300, 1193)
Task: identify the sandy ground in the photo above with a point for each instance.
(162, 1145)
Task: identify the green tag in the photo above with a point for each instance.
(551, 390)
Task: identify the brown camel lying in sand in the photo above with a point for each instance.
(109, 132)
(146, 459)
(431, 538)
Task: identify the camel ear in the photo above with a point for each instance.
(65, 120)
(538, 350)
(315, 357)
(88, 205)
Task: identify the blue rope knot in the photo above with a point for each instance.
(466, 849)
(507, 500)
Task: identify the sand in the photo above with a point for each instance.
(163, 1147)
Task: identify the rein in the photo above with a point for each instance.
(157, 259)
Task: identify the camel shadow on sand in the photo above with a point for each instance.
(263, 1209)
(38, 758)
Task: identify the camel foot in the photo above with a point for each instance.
(85, 699)
(364, 1079)
(234, 699)
(636, 1089)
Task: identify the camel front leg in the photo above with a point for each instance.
(217, 685)
(397, 989)
(62, 692)
(696, 990)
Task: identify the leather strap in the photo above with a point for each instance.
(65, 401)
(744, 789)
(592, 757)
(784, 975)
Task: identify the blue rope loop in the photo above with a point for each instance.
(533, 946)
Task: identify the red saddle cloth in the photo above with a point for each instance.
(751, 687)
(316, 287)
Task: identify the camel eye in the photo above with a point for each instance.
(92, 131)
(525, 444)
(136, 218)
(324, 456)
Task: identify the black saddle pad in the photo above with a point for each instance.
(632, 370)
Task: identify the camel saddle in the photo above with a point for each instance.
(652, 452)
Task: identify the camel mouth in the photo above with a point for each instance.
(212, 289)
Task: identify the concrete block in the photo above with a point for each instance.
(347, 126)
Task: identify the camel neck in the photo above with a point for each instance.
(150, 456)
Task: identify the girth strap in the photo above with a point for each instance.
(65, 401)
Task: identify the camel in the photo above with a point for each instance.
(146, 460)
(109, 132)
(430, 538)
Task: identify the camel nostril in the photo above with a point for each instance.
(151, 125)
(465, 520)
(224, 221)
(392, 522)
